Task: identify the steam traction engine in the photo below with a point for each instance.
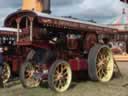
(54, 48)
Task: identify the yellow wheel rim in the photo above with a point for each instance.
(104, 64)
(60, 76)
(100, 63)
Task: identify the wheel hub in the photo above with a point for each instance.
(59, 76)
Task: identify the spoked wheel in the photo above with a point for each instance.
(60, 75)
(27, 75)
(28, 72)
(6, 73)
(100, 63)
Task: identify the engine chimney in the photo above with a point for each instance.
(37, 5)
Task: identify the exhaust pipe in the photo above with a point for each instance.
(37, 5)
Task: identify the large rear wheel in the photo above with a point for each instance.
(60, 75)
(100, 63)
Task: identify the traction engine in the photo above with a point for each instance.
(53, 48)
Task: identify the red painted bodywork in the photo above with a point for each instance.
(14, 61)
(68, 49)
(78, 64)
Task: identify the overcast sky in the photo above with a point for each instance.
(99, 10)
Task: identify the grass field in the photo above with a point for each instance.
(116, 87)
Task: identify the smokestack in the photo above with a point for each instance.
(47, 6)
(37, 5)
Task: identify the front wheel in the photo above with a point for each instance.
(60, 75)
(27, 77)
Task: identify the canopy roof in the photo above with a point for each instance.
(54, 21)
(119, 20)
